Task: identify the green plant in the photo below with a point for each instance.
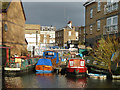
(104, 51)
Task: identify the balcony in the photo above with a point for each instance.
(110, 7)
(110, 29)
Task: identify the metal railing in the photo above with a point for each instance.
(110, 29)
(110, 7)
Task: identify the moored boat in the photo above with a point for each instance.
(44, 65)
(18, 65)
(76, 67)
(49, 62)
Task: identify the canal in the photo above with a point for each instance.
(33, 80)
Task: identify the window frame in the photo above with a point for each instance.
(99, 6)
(69, 33)
(98, 23)
(91, 13)
(91, 26)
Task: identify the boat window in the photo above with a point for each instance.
(81, 63)
(71, 63)
(49, 53)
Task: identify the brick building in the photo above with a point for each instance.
(101, 18)
(13, 22)
(68, 33)
(32, 35)
(81, 34)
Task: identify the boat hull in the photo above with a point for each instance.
(44, 68)
(77, 71)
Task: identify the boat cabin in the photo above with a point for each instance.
(53, 56)
(76, 66)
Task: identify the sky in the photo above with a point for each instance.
(54, 13)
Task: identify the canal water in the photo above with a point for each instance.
(33, 80)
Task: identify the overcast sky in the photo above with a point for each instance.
(54, 13)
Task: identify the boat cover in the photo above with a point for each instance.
(55, 55)
(44, 62)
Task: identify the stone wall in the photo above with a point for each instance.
(32, 28)
(14, 37)
(66, 34)
(62, 36)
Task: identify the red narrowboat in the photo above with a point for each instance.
(76, 67)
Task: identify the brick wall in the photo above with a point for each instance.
(15, 36)
(62, 36)
(97, 15)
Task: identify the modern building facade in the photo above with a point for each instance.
(66, 34)
(13, 31)
(101, 18)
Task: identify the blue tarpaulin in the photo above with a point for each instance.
(44, 62)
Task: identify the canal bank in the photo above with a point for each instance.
(33, 80)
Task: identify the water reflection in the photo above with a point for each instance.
(13, 82)
(50, 80)
(76, 82)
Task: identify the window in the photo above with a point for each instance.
(111, 1)
(99, 5)
(98, 25)
(76, 34)
(69, 33)
(112, 24)
(108, 21)
(90, 29)
(81, 63)
(91, 13)
(115, 20)
(112, 5)
(71, 63)
(112, 21)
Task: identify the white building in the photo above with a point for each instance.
(32, 35)
(47, 36)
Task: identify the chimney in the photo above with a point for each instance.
(70, 24)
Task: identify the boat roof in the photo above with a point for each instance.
(51, 51)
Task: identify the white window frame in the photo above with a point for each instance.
(98, 25)
(91, 13)
(69, 33)
(71, 63)
(112, 20)
(111, 24)
(91, 29)
(82, 63)
(117, 20)
(99, 5)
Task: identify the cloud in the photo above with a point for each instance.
(54, 13)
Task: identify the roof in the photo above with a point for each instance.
(88, 2)
(5, 6)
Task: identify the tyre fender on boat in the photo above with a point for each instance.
(76, 71)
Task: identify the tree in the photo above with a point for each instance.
(105, 50)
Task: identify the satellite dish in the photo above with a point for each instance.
(5, 27)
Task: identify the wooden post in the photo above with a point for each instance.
(7, 56)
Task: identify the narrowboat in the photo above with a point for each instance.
(49, 61)
(76, 67)
(17, 66)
